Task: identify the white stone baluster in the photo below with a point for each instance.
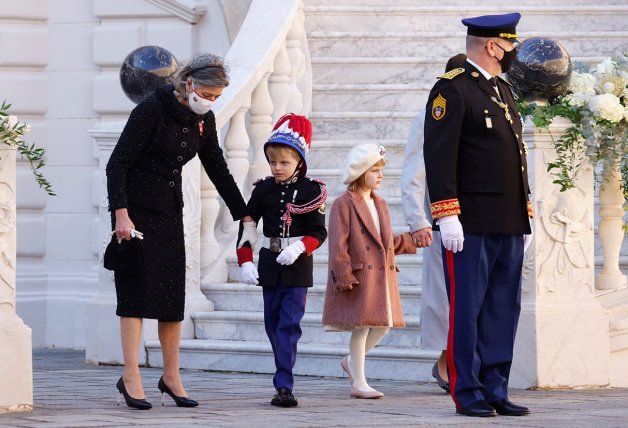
(261, 125)
(563, 334)
(297, 60)
(610, 231)
(192, 211)
(237, 153)
(16, 369)
(279, 83)
(210, 207)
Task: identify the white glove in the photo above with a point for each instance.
(527, 239)
(249, 233)
(291, 253)
(249, 273)
(451, 233)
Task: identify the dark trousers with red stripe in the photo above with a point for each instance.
(484, 288)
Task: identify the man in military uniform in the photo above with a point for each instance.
(477, 179)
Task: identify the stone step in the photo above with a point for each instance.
(369, 96)
(313, 359)
(247, 326)
(388, 70)
(234, 296)
(330, 154)
(332, 177)
(437, 18)
(458, 3)
(360, 124)
(385, 70)
(420, 43)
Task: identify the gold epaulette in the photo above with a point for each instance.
(452, 73)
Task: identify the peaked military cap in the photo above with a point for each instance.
(503, 26)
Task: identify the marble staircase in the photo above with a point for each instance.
(373, 65)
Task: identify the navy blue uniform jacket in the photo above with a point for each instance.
(475, 157)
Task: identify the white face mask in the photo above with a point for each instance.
(198, 104)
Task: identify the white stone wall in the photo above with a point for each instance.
(59, 67)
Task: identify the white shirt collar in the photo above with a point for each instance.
(485, 73)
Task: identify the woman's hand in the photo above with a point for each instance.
(123, 224)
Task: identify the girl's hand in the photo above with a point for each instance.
(423, 237)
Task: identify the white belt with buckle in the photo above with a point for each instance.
(277, 244)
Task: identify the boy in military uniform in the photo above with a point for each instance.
(478, 184)
(292, 207)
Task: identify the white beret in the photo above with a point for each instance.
(360, 159)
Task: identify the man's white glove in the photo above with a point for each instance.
(451, 233)
(527, 239)
(249, 273)
(291, 253)
(249, 233)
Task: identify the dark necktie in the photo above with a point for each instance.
(493, 81)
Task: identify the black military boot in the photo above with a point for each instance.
(284, 398)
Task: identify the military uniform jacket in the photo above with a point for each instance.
(475, 156)
(268, 202)
(160, 137)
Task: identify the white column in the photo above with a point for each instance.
(563, 335)
(261, 125)
(610, 231)
(16, 369)
(210, 207)
(297, 61)
(195, 300)
(279, 83)
(102, 342)
(237, 153)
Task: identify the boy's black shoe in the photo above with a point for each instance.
(284, 398)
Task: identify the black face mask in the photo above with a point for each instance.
(507, 59)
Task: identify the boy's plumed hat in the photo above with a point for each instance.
(360, 159)
(293, 131)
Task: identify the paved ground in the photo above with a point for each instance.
(70, 394)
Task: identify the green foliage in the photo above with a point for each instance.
(12, 134)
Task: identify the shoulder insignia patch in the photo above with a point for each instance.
(439, 106)
(452, 73)
(259, 180)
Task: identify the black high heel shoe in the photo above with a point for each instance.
(130, 401)
(180, 401)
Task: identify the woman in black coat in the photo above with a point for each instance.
(164, 132)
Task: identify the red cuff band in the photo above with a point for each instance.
(245, 254)
(310, 244)
(445, 208)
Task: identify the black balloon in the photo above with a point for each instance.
(146, 69)
(542, 68)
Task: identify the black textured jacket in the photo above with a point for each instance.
(475, 157)
(268, 202)
(160, 137)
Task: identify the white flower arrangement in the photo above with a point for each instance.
(597, 105)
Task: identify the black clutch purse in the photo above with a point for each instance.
(125, 255)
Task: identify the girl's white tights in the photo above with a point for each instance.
(362, 341)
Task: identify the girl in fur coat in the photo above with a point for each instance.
(362, 293)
